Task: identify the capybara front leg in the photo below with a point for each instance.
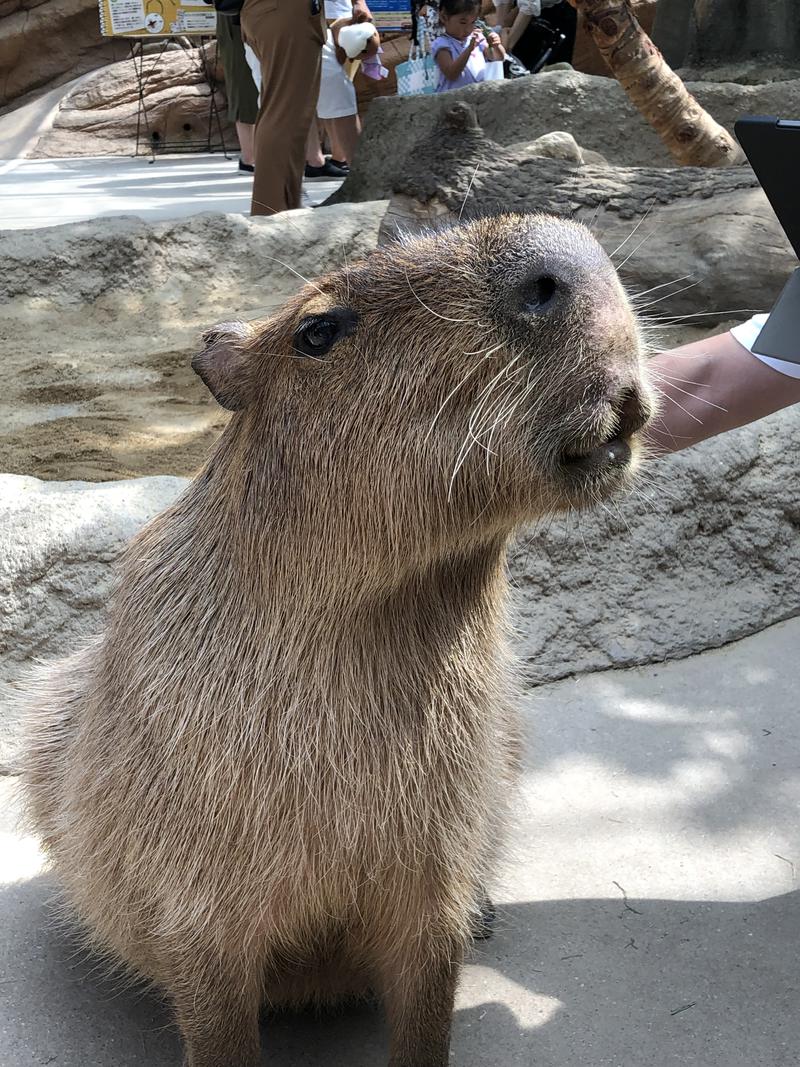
(419, 1005)
(218, 1019)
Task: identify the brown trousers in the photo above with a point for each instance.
(287, 39)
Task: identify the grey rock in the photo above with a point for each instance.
(558, 145)
(705, 552)
(711, 228)
(593, 157)
(460, 164)
(203, 258)
(100, 115)
(58, 542)
(594, 110)
(48, 43)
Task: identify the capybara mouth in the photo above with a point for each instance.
(614, 451)
(610, 449)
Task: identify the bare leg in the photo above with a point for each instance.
(314, 156)
(246, 132)
(218, 1017)
(418, 996)
(344, 134)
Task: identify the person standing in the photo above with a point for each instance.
(531, 24)
(337, 106)
(287, 37)
(240, 88)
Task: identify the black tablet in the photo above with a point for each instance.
(772, 146)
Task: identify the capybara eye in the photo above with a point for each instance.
(317, 334)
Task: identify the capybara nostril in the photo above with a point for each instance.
(634, 410)
(540, 294)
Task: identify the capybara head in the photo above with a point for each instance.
(452, 384)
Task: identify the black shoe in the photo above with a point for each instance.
(340, 163)
(327, 170)
(249, 167)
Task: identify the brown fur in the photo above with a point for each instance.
(282, 772)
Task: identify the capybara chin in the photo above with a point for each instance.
(281, 773)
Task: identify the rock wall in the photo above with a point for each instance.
(594, 110)
(44, 43)
(100, 115)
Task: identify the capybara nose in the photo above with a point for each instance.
(541, 293)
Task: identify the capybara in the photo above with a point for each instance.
(281, 774)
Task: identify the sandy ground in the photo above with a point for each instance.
(72, 407)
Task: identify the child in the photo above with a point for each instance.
(462, 50)
(350, 46)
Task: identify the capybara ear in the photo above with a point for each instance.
(223, 364)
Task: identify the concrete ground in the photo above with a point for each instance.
(648, 916)
(46, 192)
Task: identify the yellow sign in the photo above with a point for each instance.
(156, 18)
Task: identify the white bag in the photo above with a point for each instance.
(494, 71)
(417, 76)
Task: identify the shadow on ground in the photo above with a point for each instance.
(658, 805)
(597, 982)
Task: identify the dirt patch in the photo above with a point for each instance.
(92, 416)
(102, 448)
(72, 393)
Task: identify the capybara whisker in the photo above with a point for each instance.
(633, 231)
(668, 296)
(636, 297)
(669, 383)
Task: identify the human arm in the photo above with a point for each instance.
(526, 10)
(453, 68)
(504, 12)
(711, 386)
(341, 55)
(361, 11)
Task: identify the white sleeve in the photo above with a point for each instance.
(530, 7)
(746, 333)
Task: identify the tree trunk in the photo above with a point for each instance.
(689, 132)
(744, 31)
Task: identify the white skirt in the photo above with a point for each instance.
(337, 94)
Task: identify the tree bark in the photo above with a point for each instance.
(689, 132)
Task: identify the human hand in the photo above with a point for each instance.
(361, 12)
(494, 40)
(474, 40)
